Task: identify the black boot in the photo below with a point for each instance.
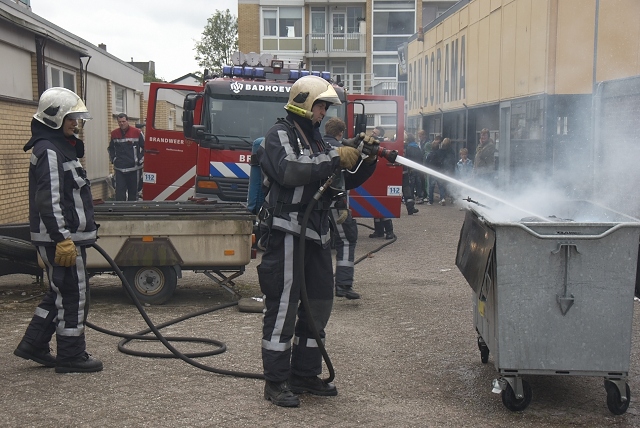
(280, 394)
(345, 291)
(312, 384)
(411, 207)
(39, 355)
(83, 364)
(388, 228)
(378, 229)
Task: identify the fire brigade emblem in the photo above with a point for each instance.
(236, 87)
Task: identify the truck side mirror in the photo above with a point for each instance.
(198, 132)
(189, 106)
(360, 123)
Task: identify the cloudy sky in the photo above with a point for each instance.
(162, 31)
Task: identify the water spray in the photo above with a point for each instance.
(414, 165)
(392, 156)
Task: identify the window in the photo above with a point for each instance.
(60, 77)
(290, 22)
(393, 23)
(338, 23)
(354, 16)
(282, 29)
(269, 20)
(121, 99)
(318, 21)
(318, 65)
(388, 120)
(385, 70)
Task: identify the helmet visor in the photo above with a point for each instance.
(79, 115)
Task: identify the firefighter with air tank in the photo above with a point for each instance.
(295, 163)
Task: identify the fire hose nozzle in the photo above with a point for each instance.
(389, 155)
(370, 149)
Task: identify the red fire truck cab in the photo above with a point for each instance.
(207, 154)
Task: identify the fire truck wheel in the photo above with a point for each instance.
(152, 285)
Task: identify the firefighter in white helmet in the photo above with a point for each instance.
(62, 226)
(295, 161)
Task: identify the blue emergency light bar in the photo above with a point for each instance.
(260, 73)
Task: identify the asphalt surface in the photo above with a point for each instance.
(405, 354)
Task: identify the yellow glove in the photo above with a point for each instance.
(369, 140)
(342, 216)
(66, 253)
(348, 156)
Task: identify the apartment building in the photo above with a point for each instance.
(356, 40)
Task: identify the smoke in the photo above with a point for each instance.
(538, 199)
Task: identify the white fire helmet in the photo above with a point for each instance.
(306, 91)
(57, 103)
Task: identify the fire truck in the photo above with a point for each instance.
(207, 155)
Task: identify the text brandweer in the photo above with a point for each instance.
(166, 140)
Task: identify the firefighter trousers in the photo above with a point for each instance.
(285, 318)
(345, 237)
(63, 310)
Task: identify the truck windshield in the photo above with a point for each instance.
(232, 121)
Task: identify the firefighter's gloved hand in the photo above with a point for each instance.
(66, 253)
(370, 148)
(342, 216)
(355, 141)
(348, 156)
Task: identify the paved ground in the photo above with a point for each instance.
(405, 355)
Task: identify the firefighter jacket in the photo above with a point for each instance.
(294, 166)
(126, 149)
(60, 200)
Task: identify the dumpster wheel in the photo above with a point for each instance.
(615, 403)
(484, 350)
(513, 403)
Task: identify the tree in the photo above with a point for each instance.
(151, 77)
(219, 41)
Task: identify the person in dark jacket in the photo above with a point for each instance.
(434, 162)
(295, 162)
(343, 225)
(62, 226)
(126, 153)
(449, 161)
(409, 175)
(382, 227)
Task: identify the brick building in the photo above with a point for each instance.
(36, 55)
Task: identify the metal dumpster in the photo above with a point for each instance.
(552, 295)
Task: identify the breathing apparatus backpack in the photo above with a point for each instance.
(255, 196)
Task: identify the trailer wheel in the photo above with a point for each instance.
(14, 248)
(614, 401)
(514, 404)
(151, 284)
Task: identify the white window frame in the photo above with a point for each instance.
(277, 10)
(120, 99)
(50, 68)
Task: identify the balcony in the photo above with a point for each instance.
(390, 88)
(356, 83)
(335, 45)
